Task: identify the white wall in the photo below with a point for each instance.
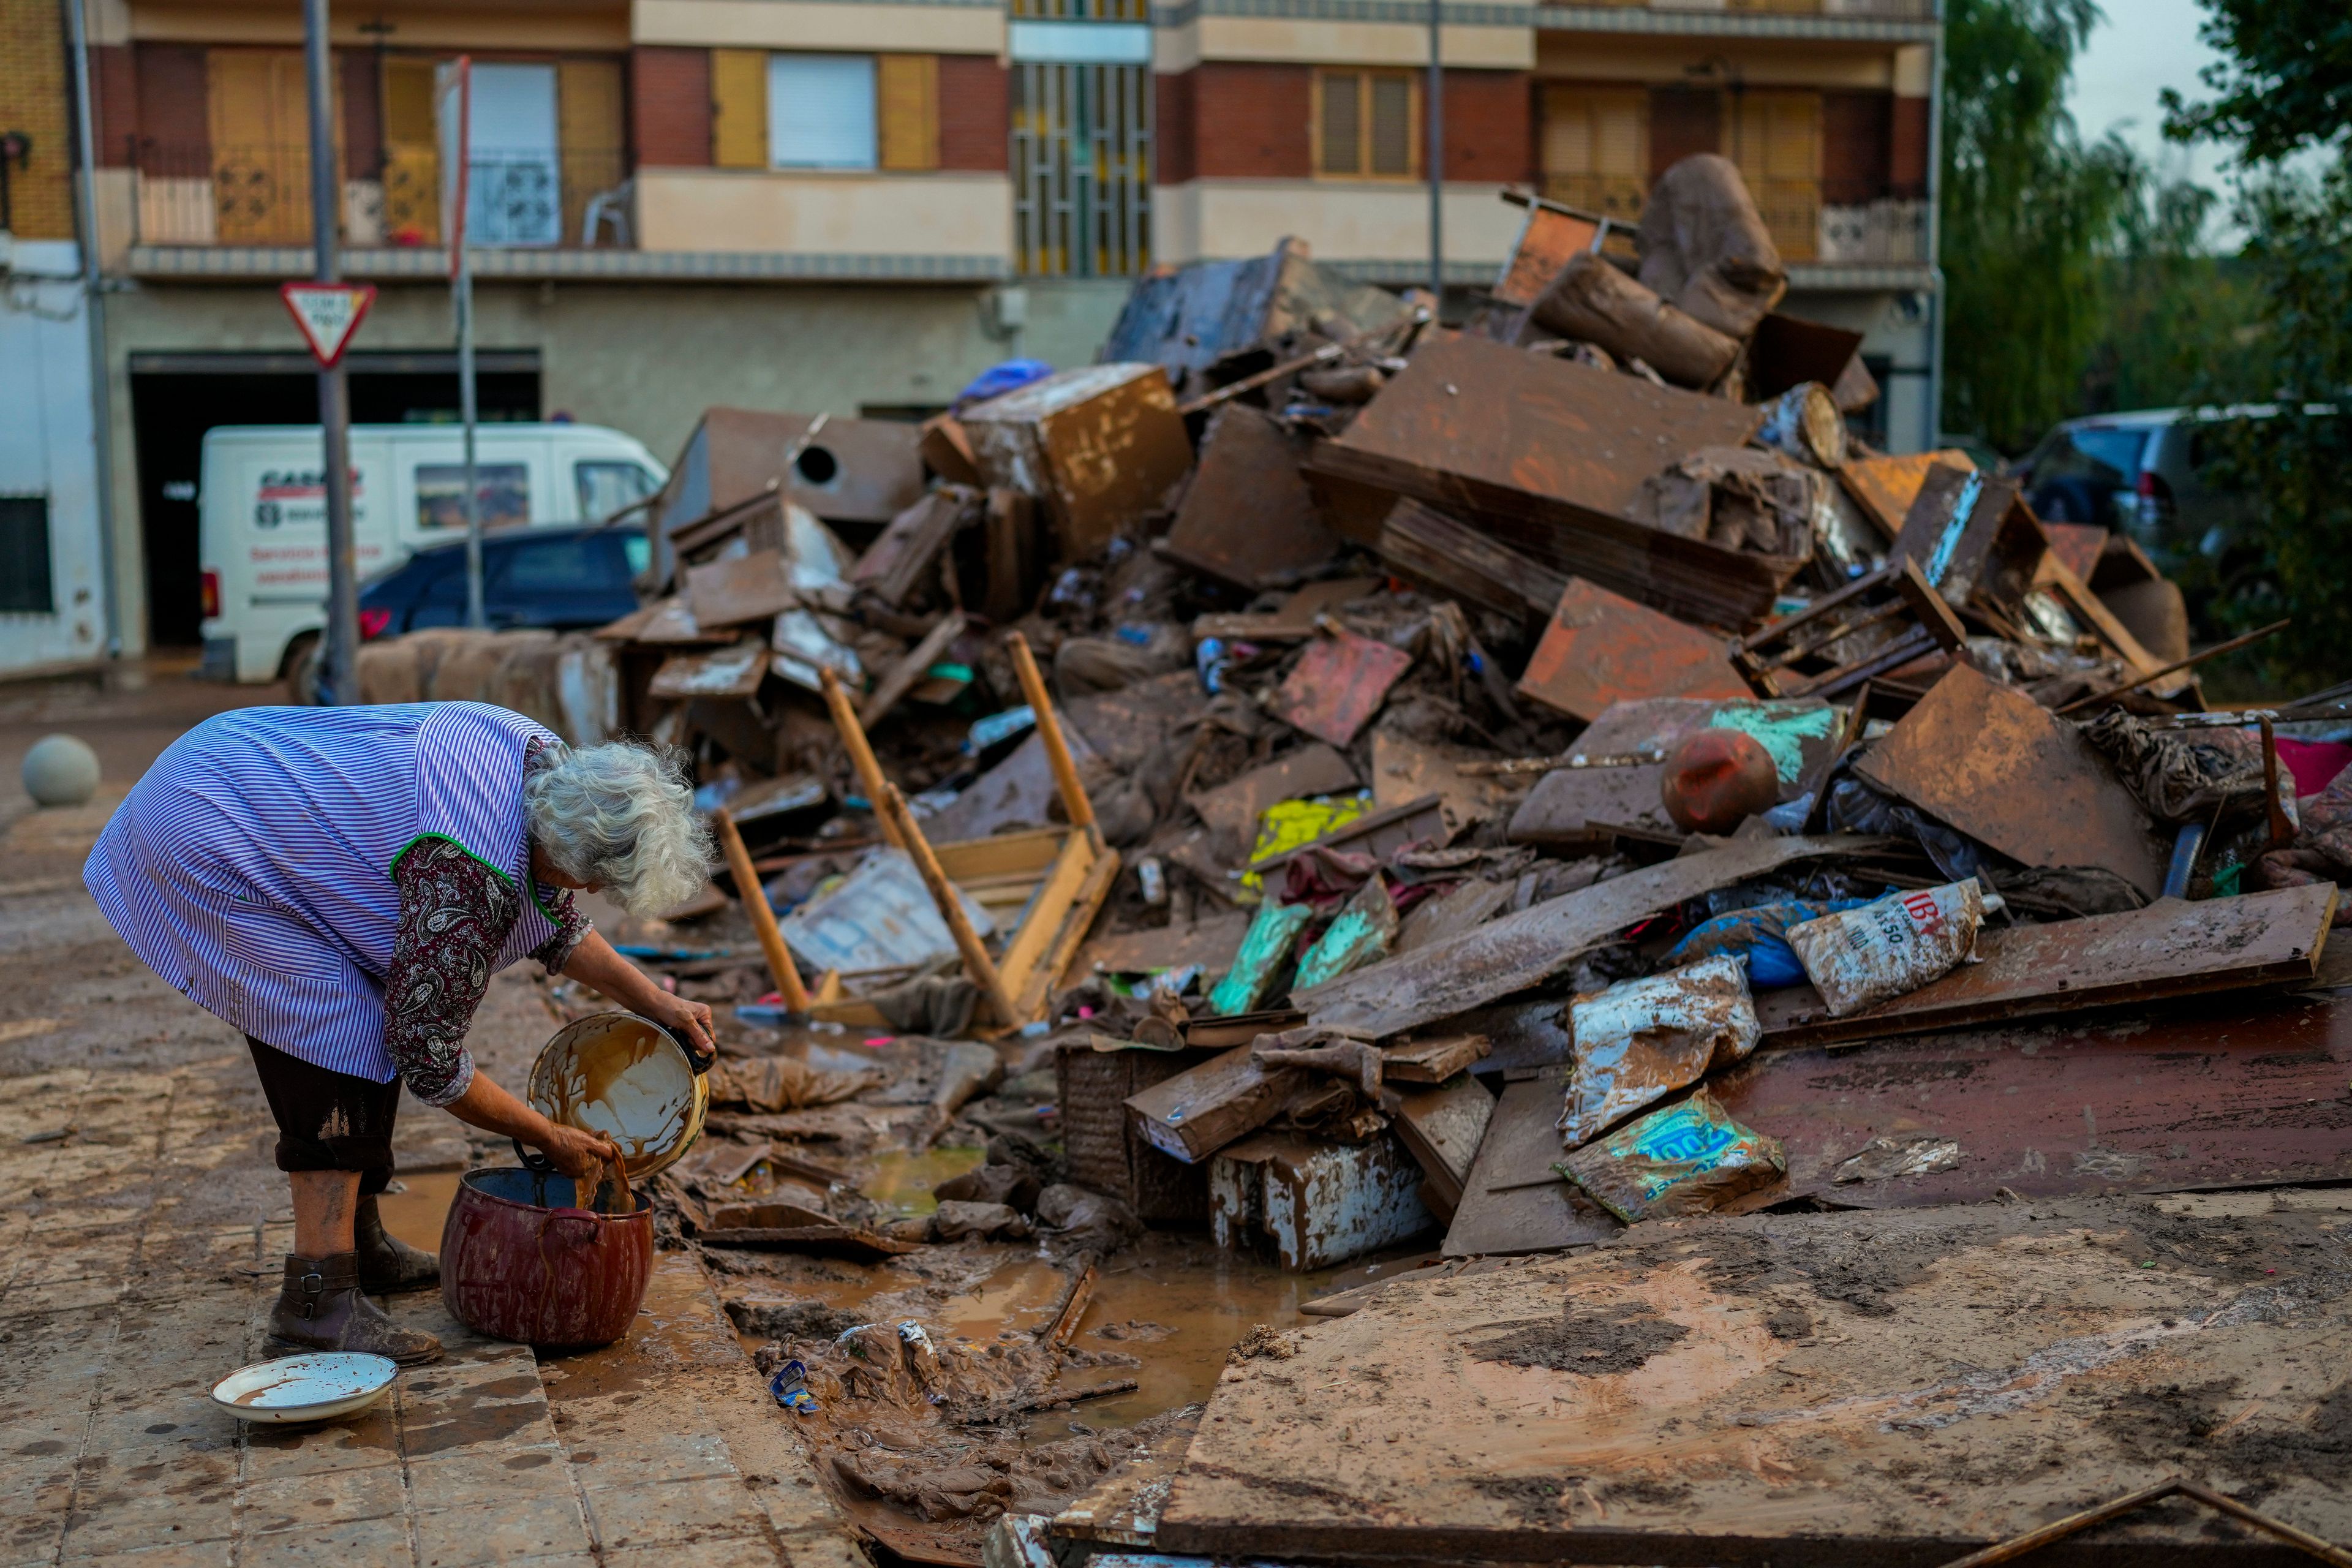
(49, 446)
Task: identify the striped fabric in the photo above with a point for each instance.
(252, 867)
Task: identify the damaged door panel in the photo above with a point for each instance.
(1314, 1203)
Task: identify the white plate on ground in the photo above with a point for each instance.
(310, 1387)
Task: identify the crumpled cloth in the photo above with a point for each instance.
(784, 1083)
(2322, 850)
(2187, 775)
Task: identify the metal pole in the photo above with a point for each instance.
(342, 640)
(475, 616)
(1936, 302)
(1435, 117)
(102, 402)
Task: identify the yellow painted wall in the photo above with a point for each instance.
(1364, 222)
(1336, 43)
(821, 24)
(820, 213)
(1585, 57)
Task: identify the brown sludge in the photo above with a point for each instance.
(1328, 640)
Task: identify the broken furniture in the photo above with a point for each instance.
(1096, 445)
(1054, 880)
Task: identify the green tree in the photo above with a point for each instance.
(2029, 213)
(2285, 87)
(2183, 324)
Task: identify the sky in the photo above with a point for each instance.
(2143, 47)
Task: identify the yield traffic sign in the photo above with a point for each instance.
(328, 314)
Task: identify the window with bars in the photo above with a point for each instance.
(1596, 148)
(1777, 143)
(1367, 124)
(26, 587)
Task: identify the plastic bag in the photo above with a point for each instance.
(1685, 1159)
(1891, 946)
(1640, 1040)
(1759, 935)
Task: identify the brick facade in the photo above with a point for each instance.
(975, 112)
(175, 124)
(114, 102)
(670, 90)
(1907, 149)
(1490, 126)
(37, 99)
(1175, 127)
(1251, 122)
(1856, 130)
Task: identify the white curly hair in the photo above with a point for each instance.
(620, 817)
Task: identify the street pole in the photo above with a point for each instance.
(343, 640)
(476, 616)
(1435, 113)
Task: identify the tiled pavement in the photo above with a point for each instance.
(141, 1237)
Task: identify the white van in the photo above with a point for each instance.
(264, 510)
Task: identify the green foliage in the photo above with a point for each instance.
(2183, 325)
(2285, 82)
(2295, 557)
(2028, 212)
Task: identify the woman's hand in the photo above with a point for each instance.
(582, 1156)
(595, 964)
(689, 1021)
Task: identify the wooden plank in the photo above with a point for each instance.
(2169, 949)
(1202, 1110)
(1496, 1217)
(2223, 1092)
(1761, 1388)
(1405, 770)
(1232, 808)
(1462, 563)
(1997, 765)
(1293, 619)
(1441, 1128)
(909, 671)
(1526, 948)
(1432, 1060)
(1060, 914)
(1023, 853)
(753, 587)
(1247, 516)
(1467, 907)
(1210, 942)
(896, 565)
(1600, 648)
(1885, 487)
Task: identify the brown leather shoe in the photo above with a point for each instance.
(388, 1264)
(320, 1308)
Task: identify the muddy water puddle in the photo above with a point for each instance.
(903, 1179)
(414, 1215)
(1176, 1303)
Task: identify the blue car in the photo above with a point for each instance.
(565, 578)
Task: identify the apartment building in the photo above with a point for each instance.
(855, 205)
(53, 606)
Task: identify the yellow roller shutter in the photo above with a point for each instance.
(909, 89)
(1779, 151)
(259, 120)
(738, 109)
(412, 152)
(1596, 148)
(588, 132)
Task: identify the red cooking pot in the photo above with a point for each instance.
(520, 1260)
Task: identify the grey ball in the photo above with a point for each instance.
(60, 769)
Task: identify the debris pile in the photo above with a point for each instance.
(1341, 782)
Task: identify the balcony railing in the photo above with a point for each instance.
(1875, 10)
(260, 195)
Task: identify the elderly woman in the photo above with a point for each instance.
(339, 884)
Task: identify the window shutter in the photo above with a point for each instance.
(1392, 139)
(412, 152)
(821, 111)
(1779, 156)
(1342, 123)
(738, 109)
(909, 89)
(588, 108)
(1596, 148)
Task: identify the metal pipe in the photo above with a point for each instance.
(102, 404)
(343, 640)
(1434, 112)
(1935, 311)
(2185, 845)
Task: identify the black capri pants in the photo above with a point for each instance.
(327, 1120)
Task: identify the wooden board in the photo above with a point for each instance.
(1232, 808)
(1600, 647)
(2221, 1091)
(1210, 942)
(1198, 1111)
(1432, 1060)
(1501, 1213)
(1997, 765)
(1882, 1389)
(1441, 1128)
(2170, 949)
(1405, 770)
(751, 587)
(1466, 908)
(1885, 487)
(1519, 951)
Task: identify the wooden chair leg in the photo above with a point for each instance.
(763, 920)
(861, 754)
(976, 962)
(1049, 726)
